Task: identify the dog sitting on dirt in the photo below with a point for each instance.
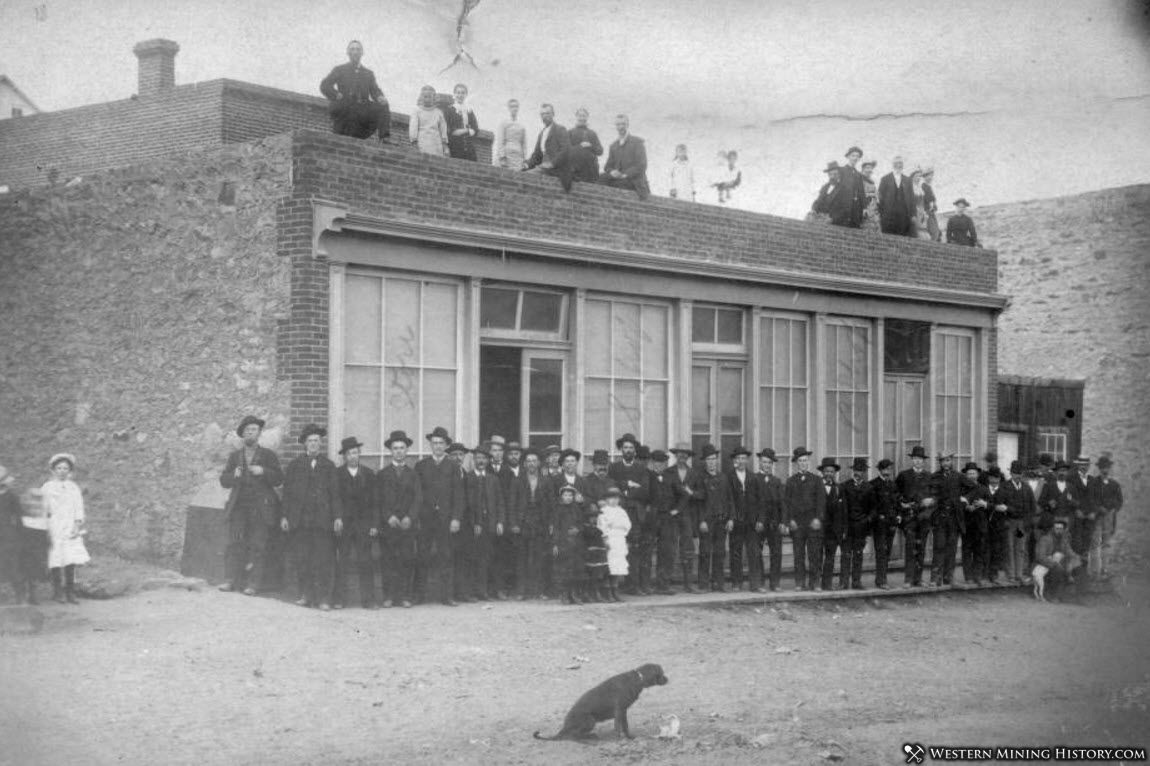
(608, 700)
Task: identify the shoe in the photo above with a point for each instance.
(226, 588)
(406, 604)
(326, 607)
(302, 602)
(337, 605)
(387, 604)
(249, 591)
(501, 596)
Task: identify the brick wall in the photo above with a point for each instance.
(1078, 270)
(140, 310)
(396, 183)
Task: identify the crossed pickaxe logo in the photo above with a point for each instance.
(914, 752)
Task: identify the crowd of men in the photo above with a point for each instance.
(500, 520)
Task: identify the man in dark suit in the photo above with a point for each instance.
(252, 473)
(1059, 498)
(853, 190)
(916, 506)
(746, 513)
(441, 490)
(948, 521)
(684, 526)
(835, 526)
(552, 155)
(833, 200)
(360, 526)
(1021, 507)
(804, 513)
(1082, 522)
(311, 512)
(1108, 501)
(400, 503)
(626, 166)
(633, 480)
(896, 202)
(358, 107)
(486, 510)
(859, 503)
(715, 522)
(662, 522)
(975, 503)
(770, 525)
(886, 516)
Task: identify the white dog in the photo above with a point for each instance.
(1039, 576)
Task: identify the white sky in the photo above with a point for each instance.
(1065, 86)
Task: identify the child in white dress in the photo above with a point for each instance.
(64, 507)
(615, 524)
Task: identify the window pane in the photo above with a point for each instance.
(545, 401)
(832, 418)
(861, 424)
(597, 409)
(655, 319)
(401, 400)
(783, 364)
(362, 319)
(655, 415)
(766, 351)
(830, 356)
(798, 353)
(784, 423)
(627, 408)
(497, 308)
(361, 402)
(598, 328)
(701, 400)
(767, 420)
(798, 419)
(860, 337)
(966, 366)
(730, 401)
(703, 325)
(730, 326)
(438, 400)
(401, 317)
(912, 410)
(964, 424)
(625, 339)
(439, 320)
(846, 424)
(951, 365)
(541, 311)
(951, 410)
(889, 414)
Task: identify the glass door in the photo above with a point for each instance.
(542, 397)
(717, 408)
(902, 417)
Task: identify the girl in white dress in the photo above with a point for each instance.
(427, 127)
(64, 508)
(511, 140)
(615, 524)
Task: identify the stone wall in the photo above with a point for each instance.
(1078, 269)
(140, 310)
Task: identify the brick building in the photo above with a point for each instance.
(310, 277)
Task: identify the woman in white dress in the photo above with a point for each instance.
(511, 140)
(64, 508)
(615, 524)
(427, 127)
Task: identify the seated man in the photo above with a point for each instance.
(1053, 551)
(357, 107)
(552, 149)
(626, 166)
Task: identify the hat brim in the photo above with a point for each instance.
(357, 445)
(406, 441)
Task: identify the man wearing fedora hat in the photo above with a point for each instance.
(859, 503)
(1021, 506)
(916, 505)
(770, 527)
(833, 200)
(533, 513)
(852, 188)
(486, 511)
(947, 521)
(886, 514)
(253, 508)
(834, 527)
(976, 511)
(506, 555)
(400, 502)
(747, 520)
(804, 513)
(361, 524)
(716, 521)
(633, 480)
(996, 525)
(1082, 522)
(1059, 496)
(441, 493)
(311, 513)
(595, 484)
(1108, 501)
(683, 527)
(663, 523)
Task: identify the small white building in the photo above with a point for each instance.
(13, 102)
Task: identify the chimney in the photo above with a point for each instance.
(157, 65)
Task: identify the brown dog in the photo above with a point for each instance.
(609, 699)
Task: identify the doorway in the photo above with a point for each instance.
(522, 392)
(903, 418)
(717, 409)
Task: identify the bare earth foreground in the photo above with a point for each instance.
(178, 676)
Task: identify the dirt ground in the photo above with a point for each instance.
(170, 675)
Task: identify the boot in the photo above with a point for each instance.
(57, 590)
(615, 593)
(687, 588)
(70, 584)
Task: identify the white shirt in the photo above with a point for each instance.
(543, 134)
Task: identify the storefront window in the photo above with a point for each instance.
(847, 355)
(783, 387)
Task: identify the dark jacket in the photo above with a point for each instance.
(441, 490)
(358, 500)
(1021, 503)
(885, 510)
(960, 231)
(913, 488)
(534, 507)
(594, 488)
(1062, 502)
(311, 495)
(859, 506)
(836, 510)
(771, 491)
(250, 493)
(461, 147)
(745, 502)
(398, 494)
(804, 500)
(1107, 494)
(585, 160)
(946, 489)
(622, 474)
(630, 159)
(679, 486)
(352, 84)
(662, 495)
(484, 500)
(895, 205)
(715, 493)
(555, 150)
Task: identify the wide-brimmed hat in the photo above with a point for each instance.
(52, 461)
(513, 446)
(347, 443)
(860, 464)
(397, 436)
(600, 457)
(829, 462)
(568, 453)
(918, 451)
(530, 451)
(624, 439)
(1058, 466)
(310, 429)
(971, 466)
(945, 456)
(456, 447)
(483, 448)
(867, 163)
(961, 201)
(832, 165)
(1082, 460)
(740, 450)
(1017, 467)
(799, 452)
(643, 452)
(1104, 462)
(884, 464)
(682, 448)
(659, 456)
(1046, 459)
(768, 454)
(439, 432)
(247, 421)
(707, 450)
(497, 439)
(852, 150)
(552, 449)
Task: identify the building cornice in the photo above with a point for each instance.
(332, 217)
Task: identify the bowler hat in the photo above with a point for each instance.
(67, 457)
(483, 448)
(347, 443)
(311, 429)
(659, 456)
(497, 439)
(990, 457)
(852, 150)
(740, 450)
(832, 165)
(993, 473)
(885, 463)
(1061, 464)
(1104, 462)
(768, 454)
(1017, 467)
(439, 432)
(455, 447)
(600, 457)
(397, 436)
(530, 451)
(961, 201)
(552, 449)
(860, 464)
(917, 451)
(707, 450)
(513, 446)
(247, 421)
(1082, 460)
(971, 466)
(626, 438)
(682, 448)
(569, 452)
(1046, 459)
(799, 452)
(643, 452)
(828, 462)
